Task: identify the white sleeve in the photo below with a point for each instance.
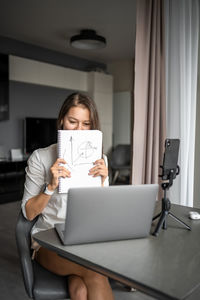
(35, 176)
(106, 182)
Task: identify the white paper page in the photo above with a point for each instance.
(80, 149)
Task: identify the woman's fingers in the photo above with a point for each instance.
(99, 169)
(60, 161)
(60, 171)
(63, 172)
(99, 162)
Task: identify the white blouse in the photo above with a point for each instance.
(37, 174)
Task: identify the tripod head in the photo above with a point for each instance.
(169, 181)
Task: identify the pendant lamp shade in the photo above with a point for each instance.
(88, 40)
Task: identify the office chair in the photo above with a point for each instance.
(120, 160)
(40, 284)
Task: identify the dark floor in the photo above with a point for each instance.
(11, 283)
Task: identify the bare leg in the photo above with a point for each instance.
(97, 285)
(77, 288)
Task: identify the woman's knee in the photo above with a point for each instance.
(77, 288)
(96, 279)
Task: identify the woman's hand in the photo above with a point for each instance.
(35, 205)
(58, 170)
(99, 169)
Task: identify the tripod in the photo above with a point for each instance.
(166, 205)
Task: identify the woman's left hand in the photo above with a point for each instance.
(99, 169)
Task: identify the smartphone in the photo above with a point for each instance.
(170, 159)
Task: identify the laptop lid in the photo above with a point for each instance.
(99, 214)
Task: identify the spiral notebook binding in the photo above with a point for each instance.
(59, 156)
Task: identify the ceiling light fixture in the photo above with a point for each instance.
(88, 40)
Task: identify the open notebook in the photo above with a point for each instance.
(80, 149)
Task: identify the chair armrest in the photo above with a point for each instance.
(23, 241)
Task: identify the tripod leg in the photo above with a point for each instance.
(157, 216)
(165, 223)
(160, 223)
(178, 220)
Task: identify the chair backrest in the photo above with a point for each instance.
(121, 156)
(23, 240)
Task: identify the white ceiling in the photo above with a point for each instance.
(51, 23)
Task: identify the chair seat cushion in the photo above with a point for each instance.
(47, 285)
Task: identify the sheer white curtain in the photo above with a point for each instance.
(182, 32)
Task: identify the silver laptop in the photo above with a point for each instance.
(99, 214)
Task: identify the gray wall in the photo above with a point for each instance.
(28, 100)
(121, 118)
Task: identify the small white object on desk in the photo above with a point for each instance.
(194, 215)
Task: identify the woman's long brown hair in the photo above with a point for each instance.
(78, 99)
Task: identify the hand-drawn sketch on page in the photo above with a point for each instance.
(80, 149)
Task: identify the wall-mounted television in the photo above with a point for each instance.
(39, 133)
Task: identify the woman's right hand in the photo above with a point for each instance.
(35, 205)
(58, 170)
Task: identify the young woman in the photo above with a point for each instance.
(78, 112)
